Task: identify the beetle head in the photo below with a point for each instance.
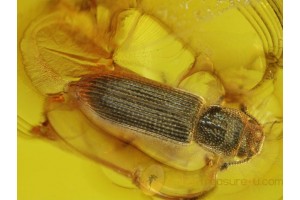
(252, 139)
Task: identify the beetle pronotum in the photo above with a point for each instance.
(137, 109)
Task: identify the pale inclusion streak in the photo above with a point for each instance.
(265, 38)
(80, 59)
(270, 24)
(151, 50)
(23, 126)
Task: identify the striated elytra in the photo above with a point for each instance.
(136, 108)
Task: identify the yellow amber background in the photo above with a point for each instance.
(48, 172)
(44, 170)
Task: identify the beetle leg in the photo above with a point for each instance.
(56, 98)
(53, 100)
(213, 161)
(44, 130)
(209, 160)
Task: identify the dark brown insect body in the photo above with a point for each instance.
(141, 108)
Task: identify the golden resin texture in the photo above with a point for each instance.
(228, 53)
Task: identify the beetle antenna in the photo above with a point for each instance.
(226, 165)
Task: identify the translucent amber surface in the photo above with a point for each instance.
(228, 52)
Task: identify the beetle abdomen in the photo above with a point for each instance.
(141, 105)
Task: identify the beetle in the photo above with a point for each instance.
(150, 115)
(170, 125)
